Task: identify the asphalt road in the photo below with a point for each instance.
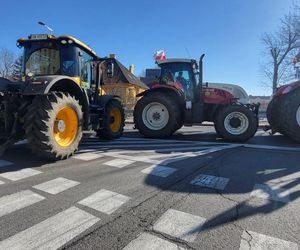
(192, 191)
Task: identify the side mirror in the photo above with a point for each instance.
(110, 69)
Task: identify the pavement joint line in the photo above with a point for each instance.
(16, 201)
(147, 241)
(20, 174)
(53, 232)
(56, 186)
(171, 238)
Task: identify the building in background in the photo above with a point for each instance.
(123, 83)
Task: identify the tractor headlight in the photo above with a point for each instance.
(70, 41)
(63, 41)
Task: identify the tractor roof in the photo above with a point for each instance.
(51, 37)
(175, 60)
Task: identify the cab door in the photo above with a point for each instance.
(86, 70)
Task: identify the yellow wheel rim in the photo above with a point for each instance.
(65, 127)
(116, 120)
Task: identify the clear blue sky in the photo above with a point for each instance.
(228, 31)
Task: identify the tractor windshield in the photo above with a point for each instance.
(50, 58)
(182, 73)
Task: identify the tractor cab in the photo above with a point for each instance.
(47, 55)
(183, 74)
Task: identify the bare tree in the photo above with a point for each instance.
(7, 60)
(281, 47)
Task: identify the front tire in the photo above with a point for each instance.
(53, 125)
(236, 123)
(157, 115)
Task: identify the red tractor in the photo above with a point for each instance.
(178, 98)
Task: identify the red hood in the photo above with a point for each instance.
(287, 88)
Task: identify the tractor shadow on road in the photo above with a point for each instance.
(276, 173)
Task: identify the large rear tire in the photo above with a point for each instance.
(53, 125)
(113, 121)
(157, 115)
(273, 115)
(236, 123)
(289, 114)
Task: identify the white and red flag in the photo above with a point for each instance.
(160, 55)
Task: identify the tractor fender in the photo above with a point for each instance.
(285, 89)
(45, 84)
(104, 99)
(176, 93)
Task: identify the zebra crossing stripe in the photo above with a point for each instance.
(53, 232)
(180, 225)
(104, 201)
(20, 174)
(2, 182)
(13, 202)
(87, 156)
(160, 171)
(119, 163)
(56, 186)
(256, 241)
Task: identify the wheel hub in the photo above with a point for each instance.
(61, 126)
(235, 122)
(156, 116)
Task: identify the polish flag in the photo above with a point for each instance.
(160, 55)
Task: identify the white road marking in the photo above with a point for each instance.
(160, 171)
(210, 181)
(57, 185)
(150, 242)
(2, 182)
(53, 232)
(256, 241)
(271, 192)
(270, 147)
(20, 174)
(180, 225)
(13, 202)
(87, 156)
(119, 163)
(105, 201)
(4, 163)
